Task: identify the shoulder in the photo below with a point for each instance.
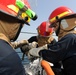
(69, 37)
(33, 38)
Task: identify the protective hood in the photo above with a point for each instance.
(9, 29)
(62, 33)
(67, 26)
(44, 40)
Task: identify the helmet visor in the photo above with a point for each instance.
(66, 23)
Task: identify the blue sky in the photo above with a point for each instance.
(43, 8)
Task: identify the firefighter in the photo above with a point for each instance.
(44, 37)
(63, 20)
(12, 19)
(44, 34)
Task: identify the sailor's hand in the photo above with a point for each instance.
(23, 42)
(25, 48)
(18, 44)
(35, 51)
(33, 44)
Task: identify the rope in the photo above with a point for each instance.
(29, 32)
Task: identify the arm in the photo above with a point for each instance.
(55, 52)
(18, 44)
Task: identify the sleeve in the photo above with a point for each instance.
(57, 51)
(32, 39)
(10, 62)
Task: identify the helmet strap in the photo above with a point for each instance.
(18, 32)
(58, 30)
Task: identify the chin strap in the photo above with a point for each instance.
(19, 30)
(58, 30)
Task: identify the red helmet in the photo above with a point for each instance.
(11, 8)
(44, 30)
(59, 13)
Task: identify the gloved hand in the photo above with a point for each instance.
(18, 44)
(25, 48)
(34, 52)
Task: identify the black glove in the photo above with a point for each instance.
(25, 49)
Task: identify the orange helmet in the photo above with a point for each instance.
(11, 8)
(44, 30)
(59, 13)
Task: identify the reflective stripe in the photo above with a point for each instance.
(59, 16)
(14, 8)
